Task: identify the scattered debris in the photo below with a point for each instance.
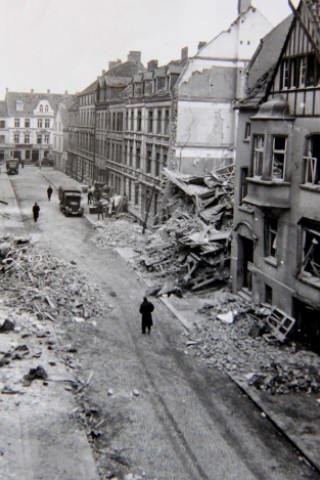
(37, 373)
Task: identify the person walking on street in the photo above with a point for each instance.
(90, 196)
(146, 308)
(49, 192)
(100, 210)
(35, 211)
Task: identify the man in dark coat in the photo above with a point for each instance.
(49, 192)
(35, 211)
(146, 308)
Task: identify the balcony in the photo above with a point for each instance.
(268, 193)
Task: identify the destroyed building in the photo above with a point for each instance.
(132, 123)
(276, 242)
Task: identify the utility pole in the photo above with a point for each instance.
(94, 145)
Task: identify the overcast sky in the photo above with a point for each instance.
(64, 44)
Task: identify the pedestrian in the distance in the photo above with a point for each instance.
(100, 210)
(146, 308)
(49, 192)
(90, 196)
(35, 211)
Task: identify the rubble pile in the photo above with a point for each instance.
(34, 282)
(119, 232)
(193, 245)
(233, 335)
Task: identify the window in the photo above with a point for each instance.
(47, 123)
(311, 248)
(27, 138)
(27, 122)
(41, 108)
(159, 121)
(19, 106)
(17, 122)
(39, 138)
(312, 161)
(139, 125)
(247, 131)
(136, 194)
(16, 138)
(271, 229)
(165, 158)
(279, 147)
(166, 121)
(157, 165)
(46, 138)
(138, 155)
(150, 121)
(132, 120)
(2, 124)
(149, 159)
(258, 155)
(39, 123)
(46, 109)
(244, 173)
(268, 294)
(2, 138)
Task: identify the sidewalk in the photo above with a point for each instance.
(40, 434)
(297, 415)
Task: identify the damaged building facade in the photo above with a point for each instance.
(132, 124)
(276, 243)
(206, 91)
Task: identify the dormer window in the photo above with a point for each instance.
(46, 109)
(19, 106)
(41, 108)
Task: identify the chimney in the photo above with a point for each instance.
(201, 44)
(243, 6)
(114, 63)
(184, 53)
(32, 91)
(7, 90)
(48, 91)
(134, 56)
(152, 65)
(103, 72)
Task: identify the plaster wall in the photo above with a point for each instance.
(241, 39)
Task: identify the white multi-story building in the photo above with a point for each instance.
(26, 125)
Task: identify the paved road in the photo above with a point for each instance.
(168, 415)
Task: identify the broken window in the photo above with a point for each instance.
(279, 147)
(271, 230)
(312, 161)
(311, 249)
(258, 155)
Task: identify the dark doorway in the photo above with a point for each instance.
(245, 257)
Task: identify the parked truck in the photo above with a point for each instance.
(12, 166)
(70, 201)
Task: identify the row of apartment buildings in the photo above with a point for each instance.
(250, 97)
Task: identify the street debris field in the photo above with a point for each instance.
(248, 341)
(42, 294)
